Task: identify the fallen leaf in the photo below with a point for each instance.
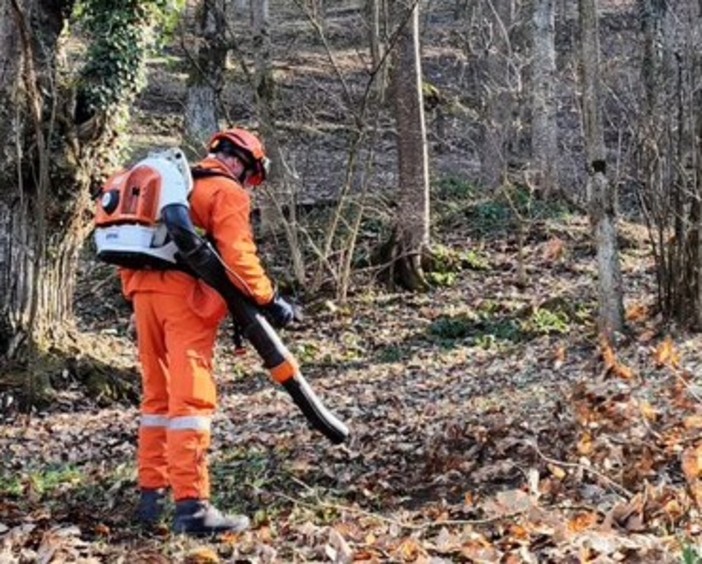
(691, 463)
(608, 356)
(559, 357)
(480, 551)
(518, 531)
(102, 530)
(202, 555)
(557, 471)
(342, 550)
(647, 336)
(507, 503)
(409, 550)
(648, 411)
(585, 444)
(612, 364)
(693, 422)
(666, 354)
(554, 250)
(637, 312)
(623, 372)
(582, 522)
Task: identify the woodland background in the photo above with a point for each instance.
(508, 324)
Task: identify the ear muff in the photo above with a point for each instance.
(261, 172)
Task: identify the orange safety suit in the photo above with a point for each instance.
(177, 318)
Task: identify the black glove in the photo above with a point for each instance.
(280, 312)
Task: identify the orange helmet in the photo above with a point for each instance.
(247, 147)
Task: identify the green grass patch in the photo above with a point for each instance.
(547, 322)
(271, 485)
(391, 354)
(691, 555)
(476, 329)
(458, 203)
(243, 480)
(41, 482)
(443, 266)
(496, 324)
(306, 352)
(453, 189)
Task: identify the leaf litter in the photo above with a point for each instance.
(549, 447)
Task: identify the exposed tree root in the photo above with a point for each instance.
(73, 360)
(401, 267)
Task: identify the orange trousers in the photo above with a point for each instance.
(179, 396)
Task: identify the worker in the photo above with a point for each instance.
(177, 317)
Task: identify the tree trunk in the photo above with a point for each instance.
(377, 18)
(206, 75)
(412, 222)
(544, 140)
(669, 153)
(59, 137)
(496, 67)
(37, 256)
(264, 85)
(601, 195)
(652, 12)
(373, 11)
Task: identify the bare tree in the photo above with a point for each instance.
(669, 150)
(544, 139)
(601, 194)
(492, 31)
(271, 203)
(377, 17)
(207, 51)
(411, 237)
(373, 11)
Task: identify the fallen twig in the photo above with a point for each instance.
(623, 492)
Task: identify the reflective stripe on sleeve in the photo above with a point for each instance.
(148, 420)
(190, 423)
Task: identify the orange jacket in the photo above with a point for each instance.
(222, 207)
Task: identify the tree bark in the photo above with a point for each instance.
(496, 73)
(377, 18)
(264, 86)
(36, 260)
(206, 78)
(601, 195)
(412, 222)
(544, 139)
(374, 11)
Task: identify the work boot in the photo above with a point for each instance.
(151, 506)
(199, 518)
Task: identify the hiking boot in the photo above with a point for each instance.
(198, 518)
(151, 506)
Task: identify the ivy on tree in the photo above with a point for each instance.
(114, 68)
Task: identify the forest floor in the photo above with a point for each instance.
(488, 424)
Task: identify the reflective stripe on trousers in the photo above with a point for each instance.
(183, 423)
(190, 423)
(148, 420)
